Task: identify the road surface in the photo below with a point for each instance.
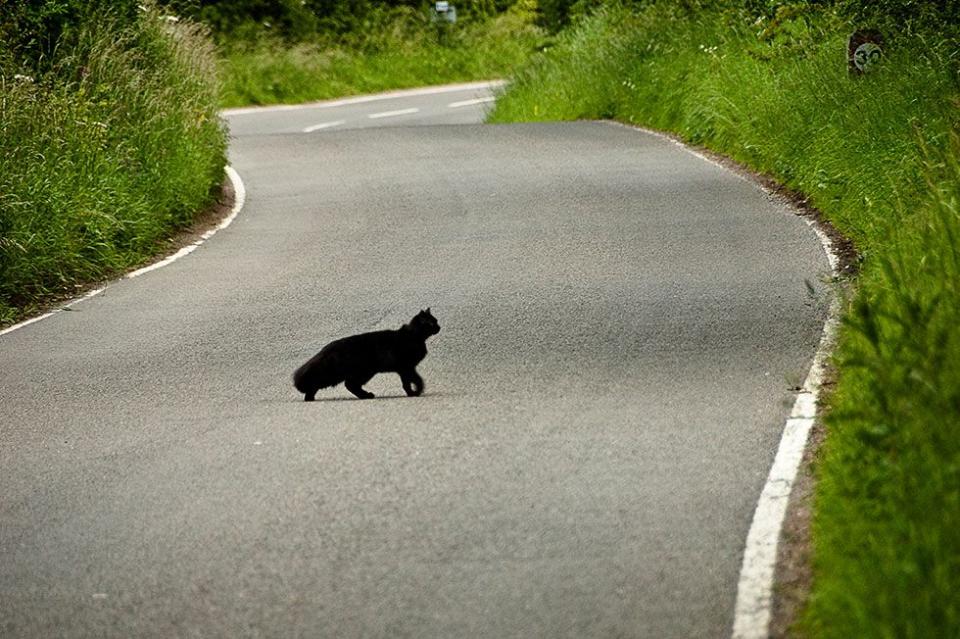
(622, 324)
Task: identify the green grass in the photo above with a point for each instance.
(399, 54)
(878, 156)
(102, 157)
(887, 527)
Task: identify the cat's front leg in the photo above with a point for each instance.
(412, 383)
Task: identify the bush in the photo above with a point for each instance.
(897, 16)
(310, 21)
(32, 31)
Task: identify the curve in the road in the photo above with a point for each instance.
(577, 468)
(239, 196)
(753, 608)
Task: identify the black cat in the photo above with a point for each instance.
(356, 359)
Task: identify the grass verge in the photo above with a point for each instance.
(102, 157)
(402, 53)
(877, 155)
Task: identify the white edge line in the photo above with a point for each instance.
(753, 608)
(323, 125)
(392, 114)
(390, 95)
(240, 195)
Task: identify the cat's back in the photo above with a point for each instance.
(373, 339)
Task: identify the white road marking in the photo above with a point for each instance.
(362, 99)
(65, 307)
(753, 608)
(240, 195)
(463, 103)
(323, 125)
(393, 114)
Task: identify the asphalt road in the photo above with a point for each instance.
(622, 322)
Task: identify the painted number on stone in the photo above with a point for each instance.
(866, 55)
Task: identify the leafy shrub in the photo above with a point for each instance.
(311, 20)
(31, 31)
(896, 16)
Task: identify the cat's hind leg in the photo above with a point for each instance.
(412, 383)
(355, 386)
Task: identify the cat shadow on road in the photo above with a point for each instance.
(347, 398)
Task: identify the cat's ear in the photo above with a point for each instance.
(428, 309)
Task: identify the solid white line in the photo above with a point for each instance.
(323, 125)
(28, 322)
(32, 320)
(362, 99)
(240, 195)
(753, 608)
(392, 114)
(463, 103)
(66, 306)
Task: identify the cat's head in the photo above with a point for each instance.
(425, 323)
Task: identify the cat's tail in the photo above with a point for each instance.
(316, 373)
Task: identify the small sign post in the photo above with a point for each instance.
(443, 10)
(864, 50)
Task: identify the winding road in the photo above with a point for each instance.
(622, 325)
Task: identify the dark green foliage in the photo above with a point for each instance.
(32, 29)
(290, 19)
(897, 16)
(554, 15)
(305, 20)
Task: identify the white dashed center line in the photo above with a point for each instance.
(390, 114)
(463, 103)
(323, 125)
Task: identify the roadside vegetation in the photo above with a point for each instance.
(767, 84)
(273, 52)
(109, 141)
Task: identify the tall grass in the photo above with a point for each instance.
(405, 50)
(115, 146)
(878, 156)
(887, 526)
